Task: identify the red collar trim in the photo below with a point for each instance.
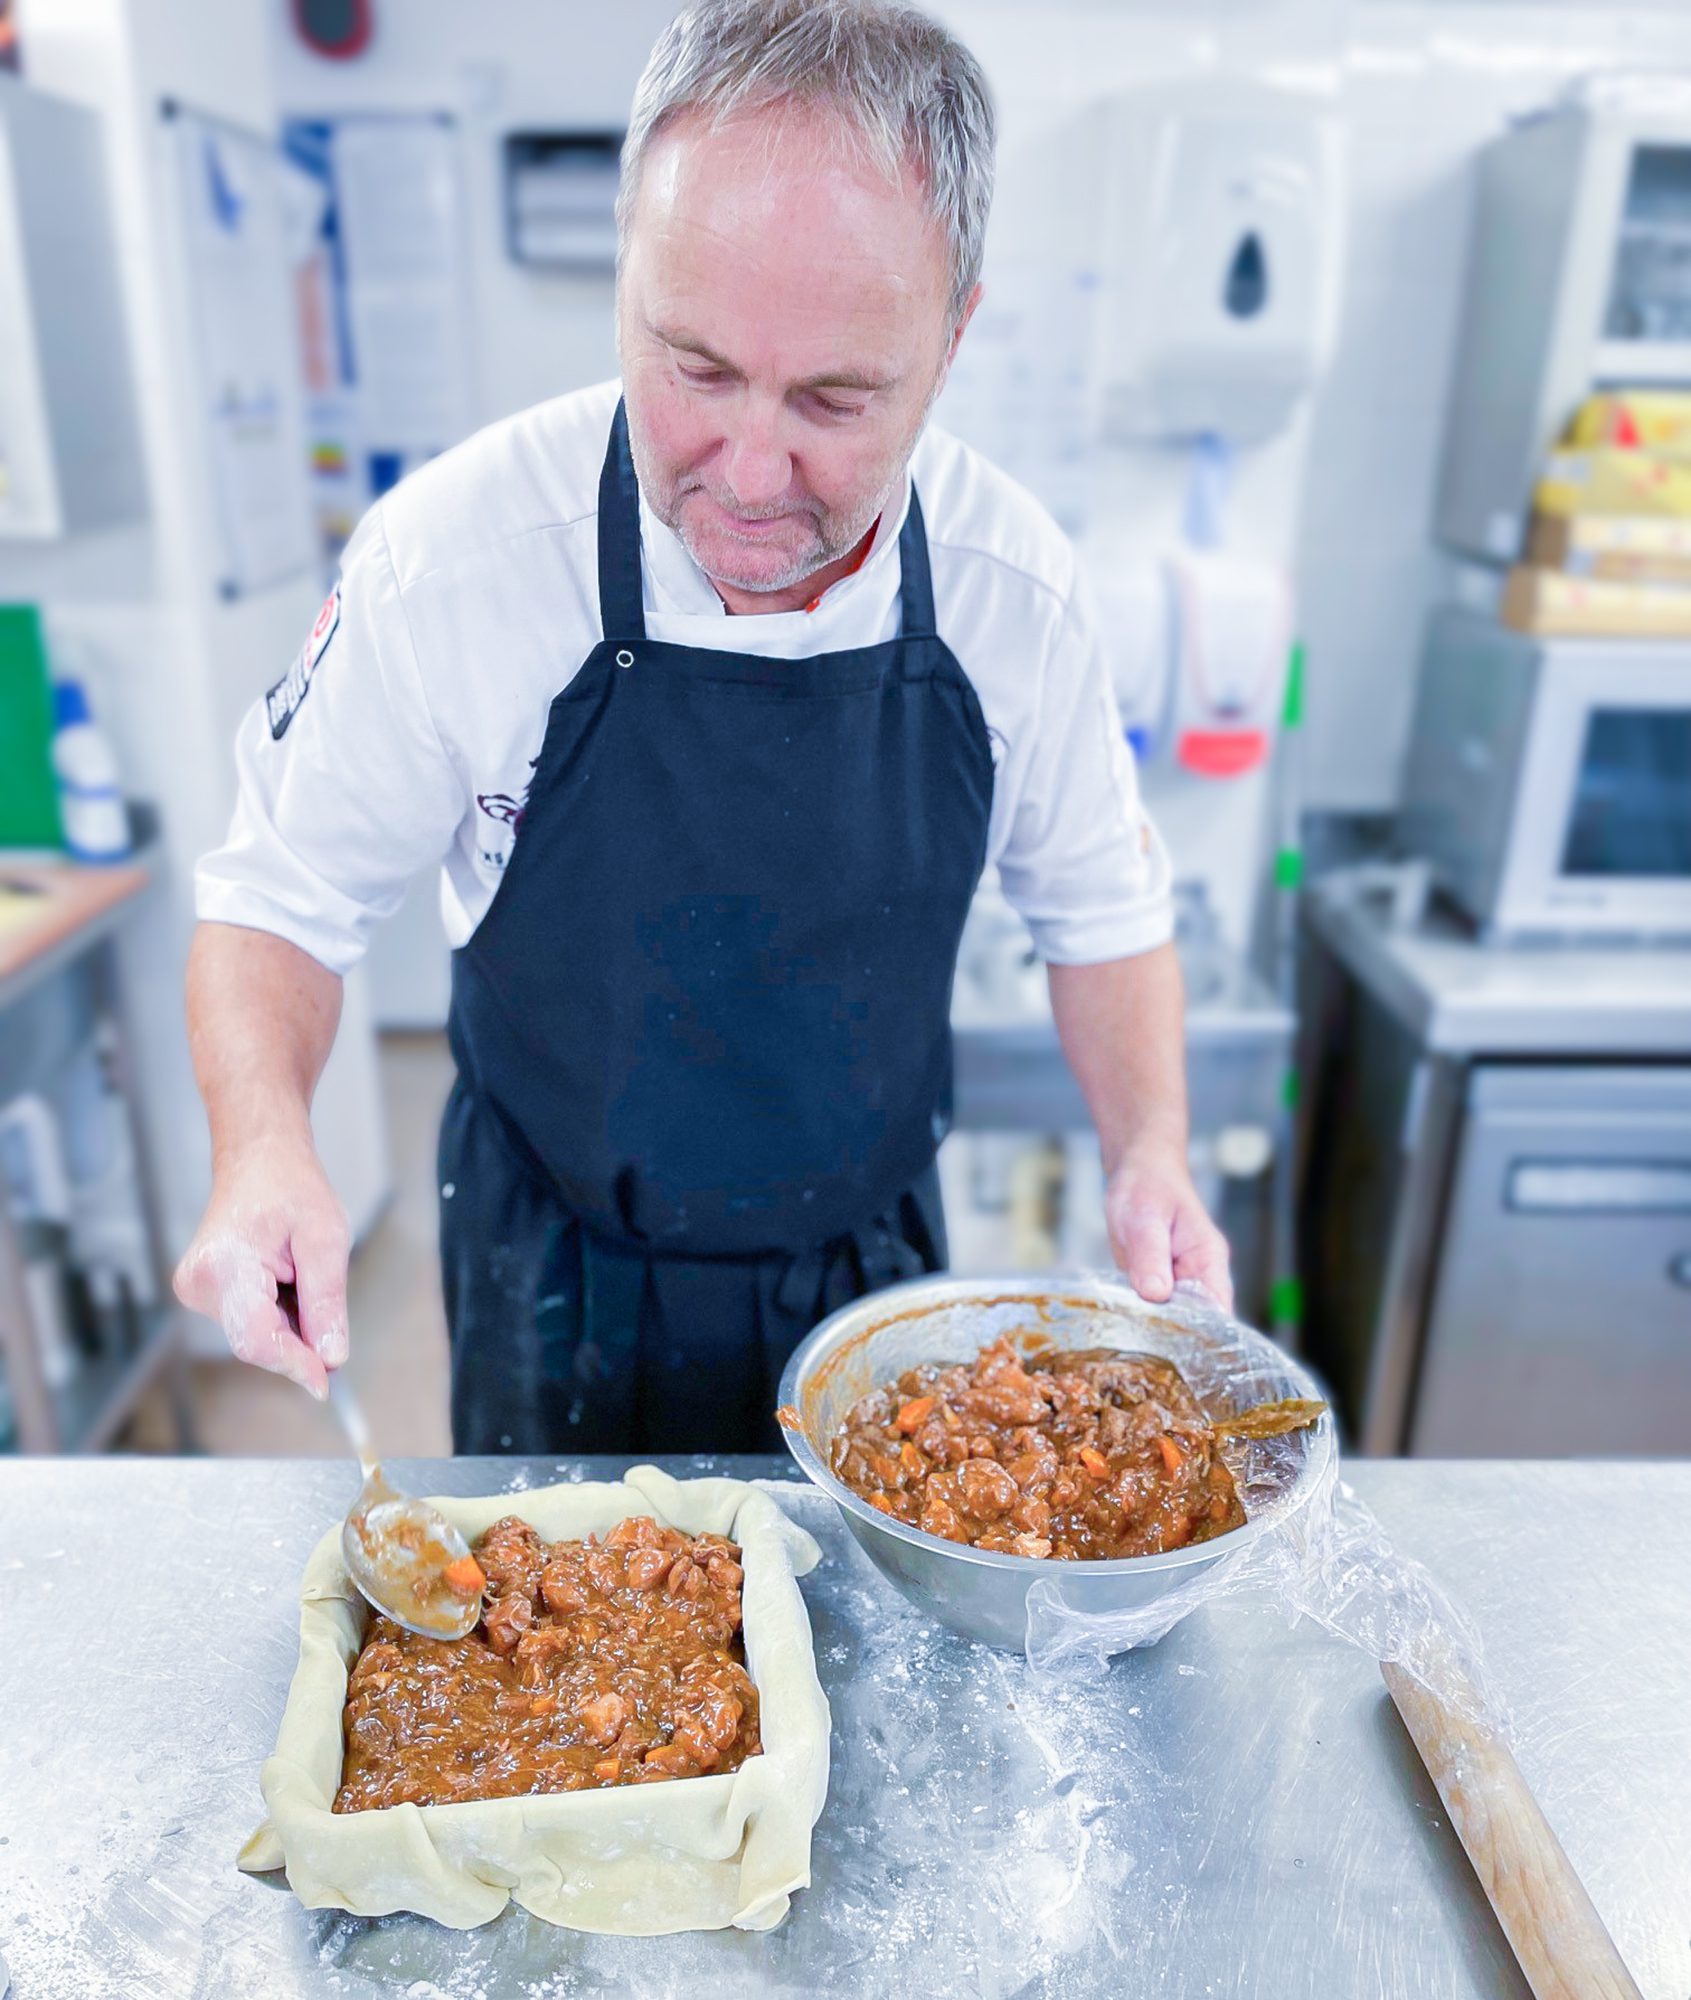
(862, 558)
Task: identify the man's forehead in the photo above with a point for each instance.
(782, 165)
(775, 260)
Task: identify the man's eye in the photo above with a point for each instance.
(704, 378)
(837, 409)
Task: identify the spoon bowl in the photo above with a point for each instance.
(398, 1550)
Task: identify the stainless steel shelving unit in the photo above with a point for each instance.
(83, 912)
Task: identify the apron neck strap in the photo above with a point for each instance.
(622, 608)
(915, 583)
(622, 604)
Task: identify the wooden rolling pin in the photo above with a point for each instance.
(1551, 1923)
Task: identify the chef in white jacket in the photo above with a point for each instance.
(713, 690)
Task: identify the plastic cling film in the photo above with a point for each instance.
(1311, 1548)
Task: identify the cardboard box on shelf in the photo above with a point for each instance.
(1624, 548)
(1614, 481)
(1548, 602)
(1651, 419)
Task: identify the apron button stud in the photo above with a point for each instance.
(625, 658)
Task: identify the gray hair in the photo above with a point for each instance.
(905, 87)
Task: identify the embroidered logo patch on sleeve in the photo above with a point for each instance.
(283, 700)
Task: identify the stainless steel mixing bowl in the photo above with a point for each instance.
(984, 1595)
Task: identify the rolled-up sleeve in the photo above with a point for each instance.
(1083, 864)
(345, 787)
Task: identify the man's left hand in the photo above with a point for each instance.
(1160, 1231)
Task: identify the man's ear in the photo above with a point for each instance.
(963, 319)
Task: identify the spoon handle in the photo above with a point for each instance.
(345, 1406)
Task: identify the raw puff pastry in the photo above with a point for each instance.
(634, 1860)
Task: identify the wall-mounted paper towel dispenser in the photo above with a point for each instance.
(1222, 206)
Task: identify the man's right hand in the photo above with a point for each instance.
(273, 1220)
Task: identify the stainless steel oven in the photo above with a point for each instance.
(1549, 780)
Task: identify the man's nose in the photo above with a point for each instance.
(759, 467)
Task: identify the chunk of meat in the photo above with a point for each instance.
(564, 1587)
(647, 1568)
(686, 1579)
(602, 1719)
(639, 1533)
(505, 1621)
(987, 1489)
(669, 1760)
(380, 1656)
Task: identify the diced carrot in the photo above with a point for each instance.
(543, 1704)
(914, 1414)
(464, 1577)
(1094, 1461)
(881, 1501)
(912, 1460)
(1173, 1457)
(609, 1770)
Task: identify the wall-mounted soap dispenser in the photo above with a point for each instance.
(1220, 258)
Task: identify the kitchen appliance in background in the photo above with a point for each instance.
(70, 453)
(1222, 226)
(1579, 275)
(1549, 780)
(1495, 1210)
(1561, 1314)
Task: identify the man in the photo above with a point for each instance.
(716, 693)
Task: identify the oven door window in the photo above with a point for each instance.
(1632, 795)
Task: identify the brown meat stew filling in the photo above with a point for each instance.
(604, 1662)
(1082, 1455)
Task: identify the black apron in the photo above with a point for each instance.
(703, 1031)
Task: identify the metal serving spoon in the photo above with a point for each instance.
(1266, 1420)
(404, 1555)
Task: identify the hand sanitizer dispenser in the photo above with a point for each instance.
(1222, 207)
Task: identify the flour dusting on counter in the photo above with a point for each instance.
(1256, 1828)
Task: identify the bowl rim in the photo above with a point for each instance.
(946, 1289)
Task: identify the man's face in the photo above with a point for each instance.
(783, 326)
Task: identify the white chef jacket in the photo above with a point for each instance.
(468, 597)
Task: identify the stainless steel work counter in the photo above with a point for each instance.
(1236, 1813)
(1457, 994)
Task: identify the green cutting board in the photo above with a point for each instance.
(29, 798)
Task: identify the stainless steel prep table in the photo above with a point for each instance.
(1237, 1813)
